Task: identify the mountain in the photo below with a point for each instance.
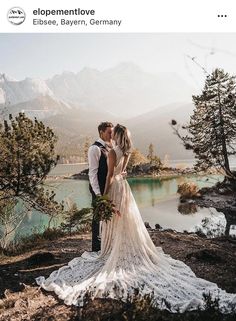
(79, 122)
(75, 127)
(154, 127)
(13, 91)
(74, 104)
(32, 96)
(43, 106)
(123, 90)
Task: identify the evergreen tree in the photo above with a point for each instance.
(212, 127)
(150, 154)
(153, 159)
(27, 156)
(76, 219)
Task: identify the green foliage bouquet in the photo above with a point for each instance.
(103, 208)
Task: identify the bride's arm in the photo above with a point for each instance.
(125, 163)
(110, 172)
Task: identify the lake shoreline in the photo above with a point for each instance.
(164, 174)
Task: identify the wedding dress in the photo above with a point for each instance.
(129, 260)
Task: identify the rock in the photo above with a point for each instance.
(206, 255)
(147, 224)
(82, 175)
(201, 234)
(222, 191)
(170, 230)
(158, 226)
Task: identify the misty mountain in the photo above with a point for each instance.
(75, 103)
(123, 90)
(41, 107)
(79, 122)
(154, 127)
(75, 127)
(13, 92)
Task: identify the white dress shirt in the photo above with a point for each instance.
(94, 154)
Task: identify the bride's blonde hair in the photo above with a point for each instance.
(123, 138)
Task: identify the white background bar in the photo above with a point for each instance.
(135, 16)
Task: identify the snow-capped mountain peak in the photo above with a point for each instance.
(15, 92)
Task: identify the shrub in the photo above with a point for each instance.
(188, 189)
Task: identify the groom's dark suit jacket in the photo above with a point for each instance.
(102, 169)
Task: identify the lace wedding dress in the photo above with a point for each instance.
(129, 260)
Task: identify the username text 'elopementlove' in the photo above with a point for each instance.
(86, 17)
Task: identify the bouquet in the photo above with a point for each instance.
(103, 208)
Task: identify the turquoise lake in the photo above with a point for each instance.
(157, 200)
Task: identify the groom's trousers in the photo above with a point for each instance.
(96, 242)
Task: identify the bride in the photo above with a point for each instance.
(128, 259)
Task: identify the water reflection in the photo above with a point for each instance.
(149, 191)
(156, 199)
(146, 191)
(166, 214)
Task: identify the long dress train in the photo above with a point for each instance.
(129, 260)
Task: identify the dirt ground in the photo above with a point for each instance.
(22, 299)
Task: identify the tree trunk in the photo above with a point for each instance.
(223, 140)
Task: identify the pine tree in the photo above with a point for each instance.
(27, 156)
(75, 218)
(150, 154)
(212, 127)
(153, 159)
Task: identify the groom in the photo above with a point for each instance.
(97, 159)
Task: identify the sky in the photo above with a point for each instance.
(44, 55)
